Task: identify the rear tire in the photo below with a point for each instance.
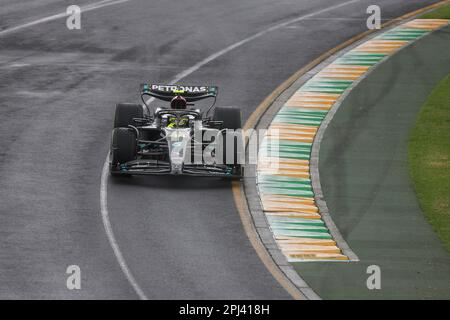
(230, 116)
(125, 112)
(123, 148)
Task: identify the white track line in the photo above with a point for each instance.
(110, 233)
(178, 77)
(89, 7)
(220, 53)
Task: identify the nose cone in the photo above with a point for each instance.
(178, 140)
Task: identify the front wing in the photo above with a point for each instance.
(155, 167)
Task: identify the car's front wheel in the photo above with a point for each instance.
(231, 123)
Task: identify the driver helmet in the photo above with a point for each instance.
(178, 102)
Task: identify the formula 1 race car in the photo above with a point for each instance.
(178, 139)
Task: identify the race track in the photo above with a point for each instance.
(181, 238)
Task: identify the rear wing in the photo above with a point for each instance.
(190, 93)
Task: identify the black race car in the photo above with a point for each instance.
(177, 139)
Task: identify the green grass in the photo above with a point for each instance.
(441, 13)
(429, 159)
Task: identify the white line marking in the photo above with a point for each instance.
(220, 53)
(110, 233)
(178, 77)
(93, 6)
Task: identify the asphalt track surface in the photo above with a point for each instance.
(180, 237)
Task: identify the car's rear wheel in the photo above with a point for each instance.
(123, 148)
(230, 117)
(125, 112)
(232, 121)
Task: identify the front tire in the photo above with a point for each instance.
(123, 148)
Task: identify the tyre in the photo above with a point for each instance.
(123, 147)
(125, 112)
(231, 118)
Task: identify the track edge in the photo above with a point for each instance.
(249, 206)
